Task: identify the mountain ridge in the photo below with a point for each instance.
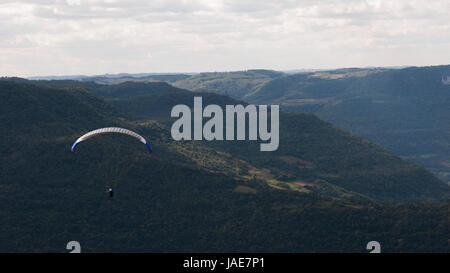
(178, 199)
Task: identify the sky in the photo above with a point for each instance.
(90, 37)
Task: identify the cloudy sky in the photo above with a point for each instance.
(68, 37)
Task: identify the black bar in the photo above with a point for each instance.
(245, 262)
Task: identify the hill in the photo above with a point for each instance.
(331, 151)
(235, 84)
(405, 111)
(119, 78)
(311, 152)
(172, 201)
(313, 155)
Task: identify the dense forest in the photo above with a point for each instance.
(403, 110)
(324, 190)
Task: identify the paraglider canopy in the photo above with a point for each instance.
(111, 130)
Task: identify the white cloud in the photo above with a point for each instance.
(73, 2)
(94, 37)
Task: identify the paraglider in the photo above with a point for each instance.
(109, 190)
(111, 130)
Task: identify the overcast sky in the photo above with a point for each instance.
(67, 37)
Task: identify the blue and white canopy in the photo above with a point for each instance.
(111, 130)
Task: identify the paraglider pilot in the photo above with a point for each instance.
(117, 130)
(110, 192)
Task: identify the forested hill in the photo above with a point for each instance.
(405, 111)
(312, 156)
(321, 196)
(235, 84)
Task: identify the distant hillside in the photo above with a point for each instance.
(119, 78)
(331, 172)
(137, 78)
(133, 89)
(405, 111)
(197, 197)
(235, 84)
(311, 151)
